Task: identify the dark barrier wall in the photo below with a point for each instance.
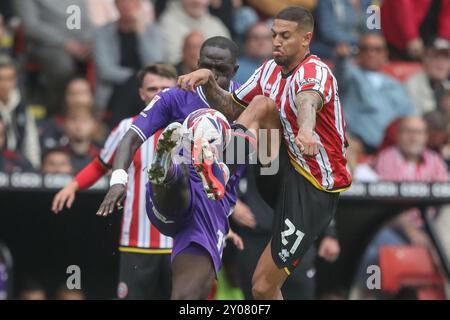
(43, 244)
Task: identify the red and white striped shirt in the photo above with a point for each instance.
(391, 165)
(326, 171)
(137, 231)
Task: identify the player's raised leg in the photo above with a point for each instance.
(262, 113)
(169, 180)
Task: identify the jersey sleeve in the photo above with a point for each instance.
(155, 116)
(316, 78)
(108, 151)
(245, 93)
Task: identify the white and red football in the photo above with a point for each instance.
(209, 124)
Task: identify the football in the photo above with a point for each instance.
(209, 124)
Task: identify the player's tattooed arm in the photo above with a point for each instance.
(124, 156)
(221, 100)
(308, 103)
(217, 97)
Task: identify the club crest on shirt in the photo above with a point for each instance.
(122, 290)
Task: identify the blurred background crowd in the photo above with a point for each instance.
(62, 90)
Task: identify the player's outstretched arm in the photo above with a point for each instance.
(308, 103)
(218, 98)
(124, 156)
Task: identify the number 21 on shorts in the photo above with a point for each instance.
(290, 231)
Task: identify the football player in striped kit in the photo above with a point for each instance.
(145, 252)
(297, 93)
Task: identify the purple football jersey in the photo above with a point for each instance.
(206, 222)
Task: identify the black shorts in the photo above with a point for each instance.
(144, 276)
(302, 214)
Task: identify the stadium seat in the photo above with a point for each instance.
(402, 70)
(410, 266)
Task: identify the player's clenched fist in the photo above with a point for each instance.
(115, 196)
(307, 143)
(194, 79)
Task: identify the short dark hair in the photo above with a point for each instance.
(159, 69)
(299, 14)
(223, 43)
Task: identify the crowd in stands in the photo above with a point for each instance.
(62, 89)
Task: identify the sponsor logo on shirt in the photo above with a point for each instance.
(304, 82)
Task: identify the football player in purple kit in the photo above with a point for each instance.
(176, 200)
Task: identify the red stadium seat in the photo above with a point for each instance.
(410, 266)
(402, 70)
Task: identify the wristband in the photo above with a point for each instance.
(119, 176)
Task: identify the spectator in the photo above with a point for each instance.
(102, 12)
(411, 25)
(77, 95)
(444, 105)
(191, 53)
(184, 16)
(258, 48)
(371, 99)
(245, 17)
(439, 134)
(79, 128)
(438, 126)
(408, 160)
(21, 131)
(270, 8)
(56, 160)
(11, 161)
(340, 25)
(227, 12)
(58, 49)
(426, 88)
(121, 49)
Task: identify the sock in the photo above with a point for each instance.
(240, 136)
